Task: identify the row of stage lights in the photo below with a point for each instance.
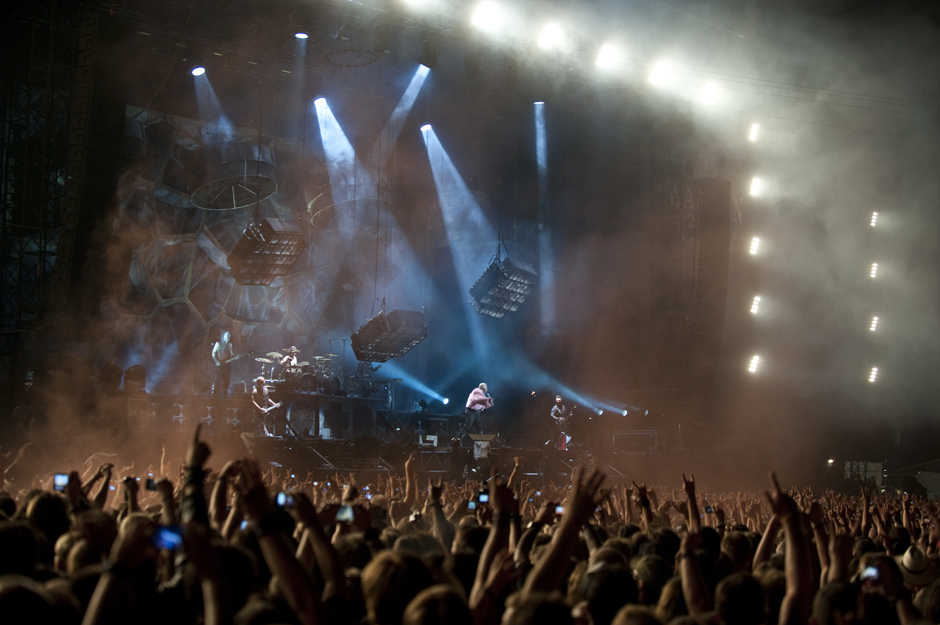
(755, 190)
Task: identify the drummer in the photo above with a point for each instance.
(290, 360)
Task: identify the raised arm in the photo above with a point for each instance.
(694, 589)
(689, 486)
(798, 601)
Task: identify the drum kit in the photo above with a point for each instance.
(304, 376)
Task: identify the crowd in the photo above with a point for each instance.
(243, 545)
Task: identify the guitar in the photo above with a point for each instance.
(270, 408)
(563, 421)
(234, 358)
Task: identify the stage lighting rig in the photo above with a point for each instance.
(388, 336)
(503, 287)
(266, 251)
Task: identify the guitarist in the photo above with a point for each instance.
(263, 405)
(222, 354)
(560, 415)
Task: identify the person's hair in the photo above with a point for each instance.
(653, 571)
(438, 605)
(636, 615)
(607, 589)
(81, 555)
(483, 386)
(48, 514)
(737, 546)
(838, 597)
(671, 601)
(739, 600)
(389, 583)
(19, 547)
(462, 566)
(774, 583)
(539, 608)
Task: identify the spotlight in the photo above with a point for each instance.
(389, 336)
(624, 412)
(874, 323)
(659, 74)
(486, 16)
(266, 251)
(753, 135)
(874, 219)
(755, 360)
(755, 304)
(320, 101)
(425, 128)
(607, 56)
(756, 186)
(831, 461)
(873, 375)
(199, 70)
(755, 245)
(551, 37)
(301, 35)
(599, 412)
(503, 287)
(446, 401)
(874, 270)
(710, 93)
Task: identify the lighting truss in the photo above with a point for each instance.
(503, 287)
(388, 336)
(267, 251)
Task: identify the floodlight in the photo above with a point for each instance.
(425, 128)
(873, 375)
(874, 270)
(503, 287)
(301, 35)
(320, 101)
(446, 401)
(710, 93)
(756, 186)
(753, 135)
(831, 461)
(874, 323)
(199, 70)
(551, 37)
(755, 360)
(486, 15)
(607, 56)
(624, 412)
(755, 245)
(874, 219)
(755, 304)
(659, 74)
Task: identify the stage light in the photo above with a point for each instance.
(874, 270)
(446, 401)
(755, 245)
(607, 56)
(486, 16)
(320, 101)
(199, 70)
(873, 375)
(874, 219)
(754, 362)
(659, 74)
(266, 251)
(301, 35)
(753, 135)
(425, 128)
(503, 287)
(389, 336)
(874, 323)
(624, 412)
(756, 186)
(831, 461)
(755, 304)
(551, 37)
(599, 412)
(710, 93)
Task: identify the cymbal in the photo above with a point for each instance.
(273, 355)
(320, 358)
(332, 355)
(303, 364)
(264, 360)
(286, 350)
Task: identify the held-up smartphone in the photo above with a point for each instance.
(283, 499)
(484, 497)
(531, 499)
(151, 485)
(60, 481)
(471, 505)
(708, 509)
(559, 509)
(368, 496)
(345, 513)
(869, 572)
(168, 538)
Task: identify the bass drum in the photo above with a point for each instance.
(310, 383)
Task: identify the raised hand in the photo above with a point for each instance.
(435, 490)
(582, 499)
(198, 451)
(781, 503)
(253, 496)
(689, 485)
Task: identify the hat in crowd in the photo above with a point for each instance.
(294, 350)
(916, 567)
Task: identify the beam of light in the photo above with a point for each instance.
(301, 35)
(463, 221)
(710, 94)
(874, 270)
(874, 324)
(755, 304)
(198, 71)
(755, 245)
(389, 135)
(753, 135)
(660, 74)
(873, 375)
(550, 37)
(874, 219)
(349, 179)
(755, 361)
(425, 128)
(756, 186)
(607, 57)
(215, 124)
(393, 370)
(546, 254)
(487, 16)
